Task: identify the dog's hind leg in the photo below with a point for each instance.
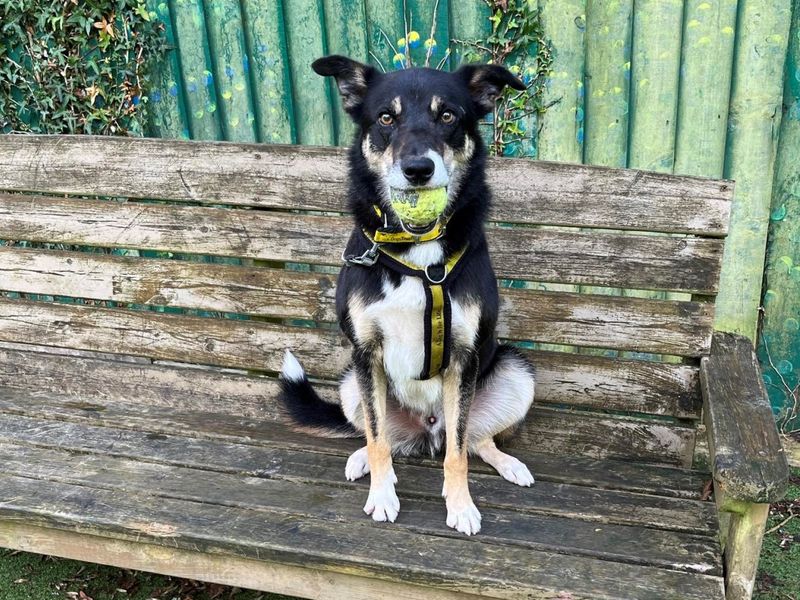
(501, 403)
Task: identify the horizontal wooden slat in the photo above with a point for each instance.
(670, 327)
(561, 379)
(565, 486)
(298, 487)
(314, 178)
(390, 553)
(546, 430)
(618, 322)
(602, 259)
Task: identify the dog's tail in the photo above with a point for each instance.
(306, 411)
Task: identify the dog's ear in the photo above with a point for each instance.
(485, 83)
(352, 79)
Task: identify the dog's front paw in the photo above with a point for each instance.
(515, 471)
(382, 502)
(463, 516)
(357, 465)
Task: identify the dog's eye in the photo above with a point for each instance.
(447, 117)
(386, 119)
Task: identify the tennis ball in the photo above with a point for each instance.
(419, 207)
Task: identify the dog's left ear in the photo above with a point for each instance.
(352, 79)
(486, 82)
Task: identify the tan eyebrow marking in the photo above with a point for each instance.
(436, 102)
(396, 105)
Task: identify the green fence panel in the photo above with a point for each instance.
(707, 56)
(268, 62)
(780, 337)
(305, 32)
(346, 26)
(753, 125)
(196, 69)
(231, 69)
(385, 27)
(167, 115)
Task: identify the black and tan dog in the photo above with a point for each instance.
(418, 298)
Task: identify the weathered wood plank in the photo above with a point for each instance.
(575, 257)
(561, 379)
(298, 494)
(290, 177)
(547, 430)
(65, 386)
(680, 328)
(747, 459)
(455, 564)
(217, 568)
(297, 457)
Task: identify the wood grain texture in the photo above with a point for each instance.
(240, 443)
(364, 549)
(552, 431)
(218, 568)
(289, 177)
(605, 259)
(748, 462)
(298, 491)
(561, 379)
(680, 328)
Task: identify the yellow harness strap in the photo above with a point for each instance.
(438, 317)
(383, 236)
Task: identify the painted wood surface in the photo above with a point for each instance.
(780, 335)
(753, 125)
(643, 45)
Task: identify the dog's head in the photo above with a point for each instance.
(418, 127)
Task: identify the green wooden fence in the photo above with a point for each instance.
(698, 87)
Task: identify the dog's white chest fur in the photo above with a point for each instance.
(398, 319)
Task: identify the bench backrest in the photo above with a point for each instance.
(271, 216)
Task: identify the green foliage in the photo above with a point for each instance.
(516, 41)
(76, 66)
(778, 574)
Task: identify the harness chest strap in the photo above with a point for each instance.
(438, 313)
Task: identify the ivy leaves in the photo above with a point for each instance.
(75, 66)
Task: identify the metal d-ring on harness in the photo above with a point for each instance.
(436, 280)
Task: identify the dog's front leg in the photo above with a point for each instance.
(458, 392)
(382, 502)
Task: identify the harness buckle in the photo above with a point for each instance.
(367, 259)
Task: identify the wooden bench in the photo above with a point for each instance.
(137, 419)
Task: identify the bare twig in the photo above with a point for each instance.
(781, 524)
(377, 60)
(433, 32)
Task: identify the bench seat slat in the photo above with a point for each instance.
(552, 431)
(565, 256)
(222, 445)
(561, 378)
(301, 491)
(356, 548)
(291, 176)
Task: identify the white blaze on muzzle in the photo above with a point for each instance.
(440, 178)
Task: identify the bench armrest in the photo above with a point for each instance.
(747, 459)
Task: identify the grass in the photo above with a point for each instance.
(32, 577)
(779, 570)
(26, 576)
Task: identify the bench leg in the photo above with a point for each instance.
(742, 548)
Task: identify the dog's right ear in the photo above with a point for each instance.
(352, 79)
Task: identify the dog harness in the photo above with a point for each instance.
(436, 280)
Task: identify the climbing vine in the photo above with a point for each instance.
(516, 40)
(76, 66)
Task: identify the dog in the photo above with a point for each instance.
(418, 300)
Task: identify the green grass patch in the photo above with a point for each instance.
(26, 576)
(779, 570)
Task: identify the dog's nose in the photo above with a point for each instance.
(418, 170)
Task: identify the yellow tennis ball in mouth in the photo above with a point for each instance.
(419, 207)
